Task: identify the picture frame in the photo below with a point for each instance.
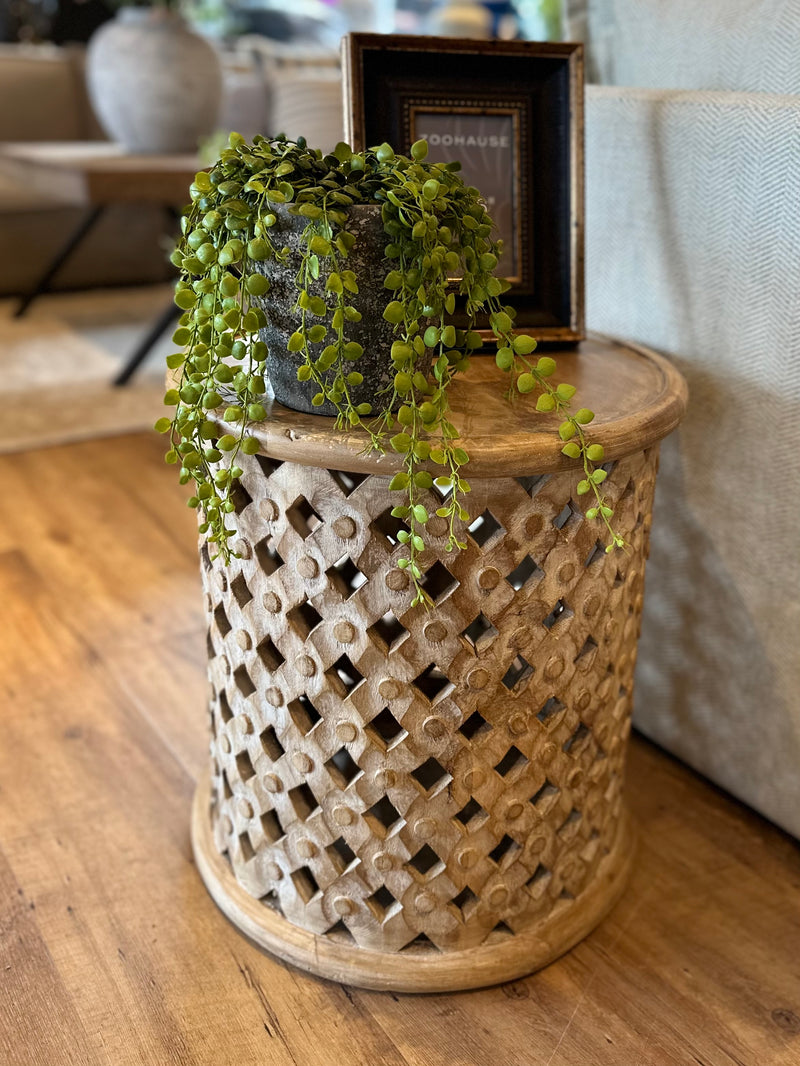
(512, 113)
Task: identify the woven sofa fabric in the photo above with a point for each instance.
(693, 247)
(740, 45)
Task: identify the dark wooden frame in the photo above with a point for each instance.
(388, 77)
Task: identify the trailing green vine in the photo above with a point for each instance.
(437, 228)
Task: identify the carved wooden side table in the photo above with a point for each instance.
(428, 800)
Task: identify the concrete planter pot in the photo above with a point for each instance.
(155, 85)
(373, 332)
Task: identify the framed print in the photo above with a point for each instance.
(511, 112)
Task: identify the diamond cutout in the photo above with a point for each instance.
(558, 614)
(466, 901)
(245, 846)
(431, 682)
(388, 526)
(382, 904)
(438, 582)
(512, 763)
(425, 860)
(545, 794)
(303, 619)
(472, 816)
(345, 577)
(227, 791)
(245, 766)
(572, 818)
(347, 481)
(340, 934)
(577, 737)
(225, 711)
(480, 632)
(241, 593)
(341, 854)
(533, 483)
(240, 497)
(553, 706)
(526, 571)
(519, 672)
(268, 464)
(268, 558)
(537, 883)
(305, 884)
(475, 726)
(505, 852)
(303, 518)
(486, 528)
(389, 631)
(383, 817)
(221, 619)
(589, 646)
(385, 731)
(269, 654)
(430, 774)
(597, 552)
(344, 675)
(304, 714)
(343, 768)
(304, 801)
(243, 681)
(271, 826)
(273, 748)
(420, 945)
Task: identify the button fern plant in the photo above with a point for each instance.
(436, 229)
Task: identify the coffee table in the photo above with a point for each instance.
(94, 176)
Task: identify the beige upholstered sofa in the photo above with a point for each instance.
(44, 99)
(693, 247)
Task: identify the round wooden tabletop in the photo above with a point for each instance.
(638, 397)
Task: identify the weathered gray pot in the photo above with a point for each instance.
(155, 86)
(373, 332)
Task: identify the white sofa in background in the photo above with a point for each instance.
(693, 247)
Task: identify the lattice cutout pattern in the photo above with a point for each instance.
(391, 775)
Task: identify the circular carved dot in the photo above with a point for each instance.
(227, 826)
(385, 778)
(473, 779)
(242, 549)
(274, 696)
(434, 727)
(424, 903)
(221, 581)
(302, 762)
(244, 640)
(489, 578)
(272, 602)
(272, 783)
(345, 527)
(344, 632)
(537, 845)
(307, 566)
(383, 861)
(397, 580)
(424, 828)
(437, 526)
(346, 732)
(583, 700)
(566, 572)
(343, 816)
(225, 745)
(435, 631)
(514, 811)
(245, 724)
(478, 678)
(533, 524)
(245, 808)
(390, 688)
(575, 778)
(517, 725)
(610, 629)
(547, 752)
(591, 605)
(305, 666)
(274, 872)
(554, 668)
(601, 733)
(306, 848)
(498, 895)
(518, 638)
(268, 509)
(343, 906)
(466, 858)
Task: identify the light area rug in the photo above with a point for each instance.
(57, 364)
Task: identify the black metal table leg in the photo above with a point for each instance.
(43, 284)
(165, 319)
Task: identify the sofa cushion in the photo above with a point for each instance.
(43, 94)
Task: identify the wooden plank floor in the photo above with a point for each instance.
(111, 952)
